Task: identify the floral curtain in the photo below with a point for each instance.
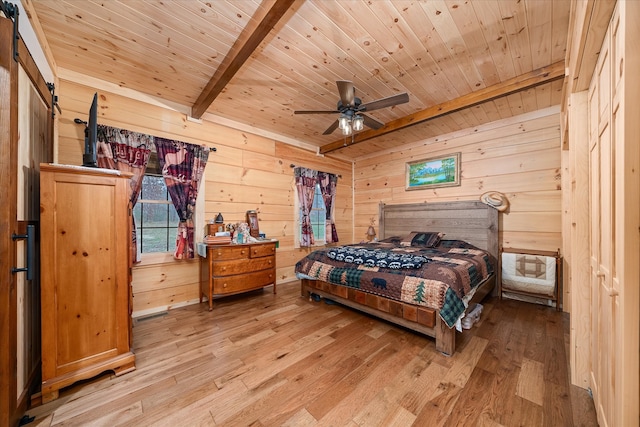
(125, 151)
(182, 166)
(305, 180)
(328, 184)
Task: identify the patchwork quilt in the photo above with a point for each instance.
(438, 277)
(530, 273)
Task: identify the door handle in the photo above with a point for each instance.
(30, 237)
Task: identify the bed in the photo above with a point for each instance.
(353, 275)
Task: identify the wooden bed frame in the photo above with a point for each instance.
(471, 221)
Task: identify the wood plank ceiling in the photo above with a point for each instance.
(462, 62)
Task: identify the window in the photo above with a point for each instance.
(156, 218)
(318, 218)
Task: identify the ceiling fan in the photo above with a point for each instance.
(351, 109)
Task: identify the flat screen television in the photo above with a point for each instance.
(90, 156)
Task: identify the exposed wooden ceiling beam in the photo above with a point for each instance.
(523, 82)
(265, 18)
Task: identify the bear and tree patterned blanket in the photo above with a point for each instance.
(436, 277)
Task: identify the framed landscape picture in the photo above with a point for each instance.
(442, 171)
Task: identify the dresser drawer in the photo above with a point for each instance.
(243, 282)
(266, 249)
(239, 266)
(229, 252)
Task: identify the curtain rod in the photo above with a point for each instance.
(82, 122)
(293, 166)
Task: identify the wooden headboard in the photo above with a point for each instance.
(471, 221)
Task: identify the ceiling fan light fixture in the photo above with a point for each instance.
(343, 123)
(358, 123)
(352, 118)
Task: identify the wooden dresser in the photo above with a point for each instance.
(85, 268)
(232, 269)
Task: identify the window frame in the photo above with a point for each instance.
(139, 224)
(146, 258)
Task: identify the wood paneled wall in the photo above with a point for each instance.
(519, 157)
(246, 172)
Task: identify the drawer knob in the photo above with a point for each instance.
(224, 268)
(219, 253)
(224, 285)
(242, 252)
(255, 251)
(270, 262)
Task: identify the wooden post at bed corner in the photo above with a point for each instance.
(445, 337)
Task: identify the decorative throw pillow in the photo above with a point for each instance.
(423, 239)
(392, 239)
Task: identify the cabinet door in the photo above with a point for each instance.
(594, 238)
(601, 237)
(624, 288)
(614, 247)
(607, 211)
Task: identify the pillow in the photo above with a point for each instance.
(424, 239)
(393, 239)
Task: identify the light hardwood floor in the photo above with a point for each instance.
(269, 360)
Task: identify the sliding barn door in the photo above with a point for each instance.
(8, 87)
(25, 142)
(614, 160)
(34, 147)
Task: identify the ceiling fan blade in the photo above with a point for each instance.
(347, 93)
(371, 122)
(389, 101)
(316, 112)
(331, 128)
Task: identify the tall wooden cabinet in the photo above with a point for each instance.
(85, 273)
